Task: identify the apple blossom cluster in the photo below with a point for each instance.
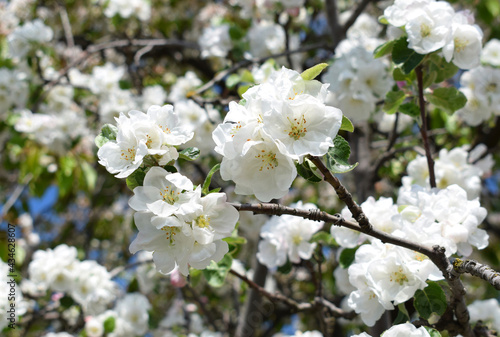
(215, 41)
(487, 311)
(481, 86)
(103, 82)
(13, 90)
(455, 166)
(25, 38)
(434, 25)
(405, 329)
(277, 124)
(491, 53)
(357, 82)
(140, 134)
(59, 270)
(181, 228)
(127, 8)
(287, 237)
(385, 275)
(59, 122)
(130, 317)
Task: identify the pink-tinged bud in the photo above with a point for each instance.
(293, 12)
(177, 279)
(401, 84)
(57, 296)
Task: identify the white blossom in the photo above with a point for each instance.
(215, 41)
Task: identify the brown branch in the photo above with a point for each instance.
(95, 48)
(354, 16)
(423, 128)
(477, 269)
(294, 305)
(342, 193)
(220, 76)
(332, 15)
(436, 254)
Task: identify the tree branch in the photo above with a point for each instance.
(436, 254)
(423, 128)
(294, 305)
(477, 269)
(342, 193)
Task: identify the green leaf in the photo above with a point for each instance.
(429, 78)
(405, 58)
(444, 70)
(246, 76)
(410, 109)
(243, 88)
(313, 72)
(191, 153)
(108, 132)
(337, 156)
(232, 80)
(384, 49)
(402, 316)
(89, 175)
(286, 268)
(449, 99)
(383, 20)
(208, 179)
(346, 124)
(109, 324)
(393, 99)
(324, 238)
(136, 179)
(432, 332)
(216, 273)
(235, 243)
(307, 170)
(236, 33)
(431, 299)
(347, 256)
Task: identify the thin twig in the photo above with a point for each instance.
(423, 128)
(220, 76)
(15, 195)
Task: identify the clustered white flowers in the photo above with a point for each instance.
(104, 83)
(357, 82)
(481, 87)
(215, 41)
(279, 123)
(455, 166)
(127, 8)
(130, 317)
(59, 269)
(405, 329)
(25, 38)
(434, 25)
(385, 275)
(287, 237)
(140, 134)
(181, 228)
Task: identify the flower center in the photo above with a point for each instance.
(128, 154)
(298, 127)
(399, 277)
(460, 44)
(425, 30)
(202, 221)
(170, 196)
(268, 160)
(170, 233)
(296, 239)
